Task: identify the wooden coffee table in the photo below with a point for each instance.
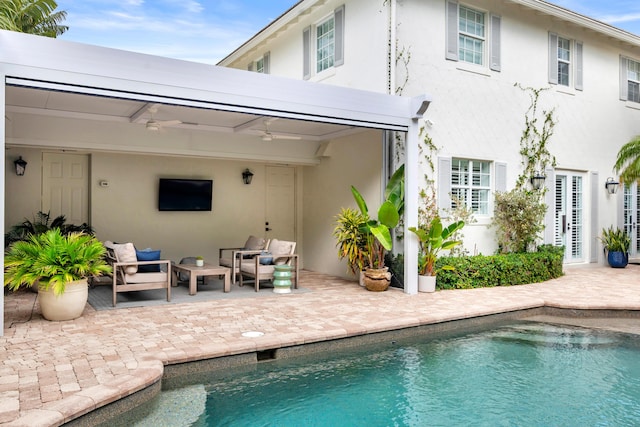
(206, 270)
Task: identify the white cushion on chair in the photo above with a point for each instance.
(281, 247)
(254, 243)
(126, 252)
(250, 267)
(146, 277)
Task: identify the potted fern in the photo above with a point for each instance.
(59, 264)
(433, 240)
(616, 246)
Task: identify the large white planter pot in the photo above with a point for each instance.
(426, 283)
(67, 306)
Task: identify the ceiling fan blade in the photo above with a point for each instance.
(169, 122)
(291, 137)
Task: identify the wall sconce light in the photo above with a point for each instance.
(20, 165)
(247, 176)
(611, 185)
(537, 181)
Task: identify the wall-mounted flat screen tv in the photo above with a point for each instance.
(185, 194)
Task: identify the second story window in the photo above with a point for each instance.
(261, 65)
(633, 81)
(471, 36)
(565, 61)
(323, 44)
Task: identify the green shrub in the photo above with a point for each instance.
(518, 219)
(501, 270)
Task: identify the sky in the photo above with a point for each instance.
(208, 30)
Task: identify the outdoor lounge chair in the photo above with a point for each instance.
(280, 252)
(228, 257)
(127, 276)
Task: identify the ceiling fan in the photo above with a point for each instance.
(154, 125)
(268, 136)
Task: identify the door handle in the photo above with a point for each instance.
(266, 226)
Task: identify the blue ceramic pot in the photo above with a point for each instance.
(618, 259)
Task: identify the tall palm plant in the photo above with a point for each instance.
(628, 161)
(32, 16)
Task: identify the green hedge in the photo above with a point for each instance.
(501, 270)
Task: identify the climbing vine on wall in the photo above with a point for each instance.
(534, 142)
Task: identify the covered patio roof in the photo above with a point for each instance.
(54, 78)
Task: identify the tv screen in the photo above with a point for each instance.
(185, 194)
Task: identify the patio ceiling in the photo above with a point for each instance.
(157, 116)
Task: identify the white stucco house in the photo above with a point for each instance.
(98, 128)
(469, 55)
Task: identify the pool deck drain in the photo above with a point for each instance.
(54, 372)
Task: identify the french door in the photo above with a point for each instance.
(630, 213)
(569, 215)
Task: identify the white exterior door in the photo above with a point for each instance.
(281, 203)
(631, 212)
(569, 215)
(65, 186)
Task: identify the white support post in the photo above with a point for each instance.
(3, 143)
(411, 167)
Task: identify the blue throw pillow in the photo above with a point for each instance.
(148, 255)
(266, 260)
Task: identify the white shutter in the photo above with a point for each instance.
(306, 53)
(338, 18)
(265, 63)
(452, 30)
(550, 201)
(500, 176)
(579, 69)
(594, 218)
(444, 185)
(624, 83)
(494, 45)
(553, 58)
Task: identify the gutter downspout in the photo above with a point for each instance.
(391, 82)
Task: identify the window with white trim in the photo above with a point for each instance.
(565, 61)
(323, 44)
(260, 65)
(471, 35)
(633, 81)
(471, 184)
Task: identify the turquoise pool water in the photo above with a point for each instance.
(521, 374)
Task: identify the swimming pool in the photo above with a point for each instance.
(520, 374)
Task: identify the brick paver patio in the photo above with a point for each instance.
(53, 372)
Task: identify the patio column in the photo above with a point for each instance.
(411, 193)
(3, 132)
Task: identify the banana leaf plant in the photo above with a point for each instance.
(378, 230)
(433, 240)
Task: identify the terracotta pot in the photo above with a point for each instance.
(68, 306)
(377, 279)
